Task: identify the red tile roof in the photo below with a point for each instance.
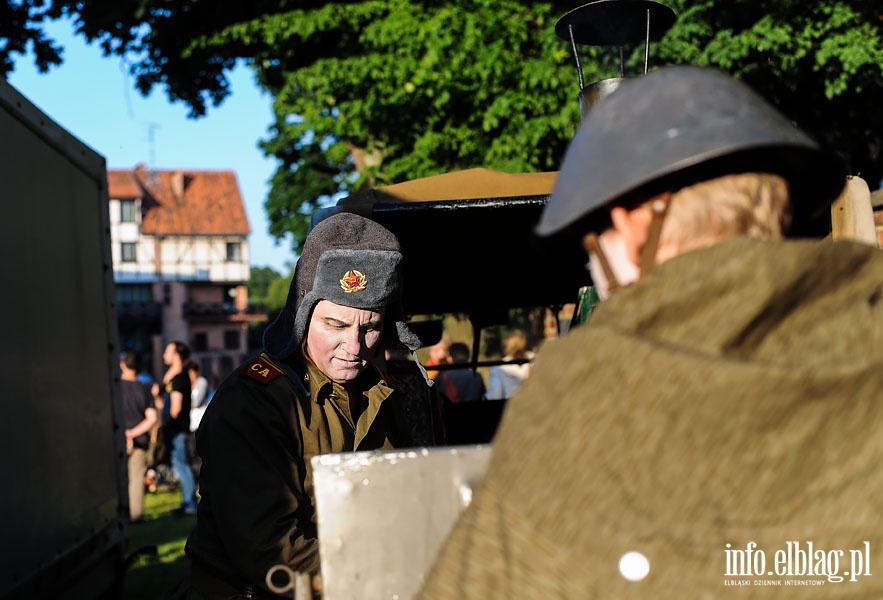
(206, 202)
(122, 184)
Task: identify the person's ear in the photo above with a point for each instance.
(631, 226)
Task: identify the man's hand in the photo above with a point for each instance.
(302, 586)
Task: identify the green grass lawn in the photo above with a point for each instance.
(151, 575)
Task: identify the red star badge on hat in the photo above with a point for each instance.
(353, 281)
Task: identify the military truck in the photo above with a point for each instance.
(64, 504)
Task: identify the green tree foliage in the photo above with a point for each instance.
(259, 282)
(821, 63)
(277, 293)
(21, 31)
(269, 288)
(380, 92)
(371, 92)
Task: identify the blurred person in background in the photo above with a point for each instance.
(139, 416)
(175, 393)
(199, 390)
(439, 354)
(504, 380)
(461, 384)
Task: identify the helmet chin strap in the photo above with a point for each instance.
(594, 246)
(658, 210)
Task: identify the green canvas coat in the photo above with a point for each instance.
(256, 439)
(735, 395)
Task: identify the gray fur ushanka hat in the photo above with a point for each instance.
(351, 261)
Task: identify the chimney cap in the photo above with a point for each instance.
(615, 22)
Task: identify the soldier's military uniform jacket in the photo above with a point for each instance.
(732, 397)
(256, 440)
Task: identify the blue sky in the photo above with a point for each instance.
(95, 99)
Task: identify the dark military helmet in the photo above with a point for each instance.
(679, 125)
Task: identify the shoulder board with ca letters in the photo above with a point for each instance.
(261, 369)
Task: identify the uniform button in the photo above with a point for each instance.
(634, 566)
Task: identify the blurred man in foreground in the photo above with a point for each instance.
(718, 416)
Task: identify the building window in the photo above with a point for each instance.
(127, 211)
(234, 252)
(231, 339)
(128, 252)
(200, 342)
(134, 293)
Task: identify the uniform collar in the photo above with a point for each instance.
(320, 386)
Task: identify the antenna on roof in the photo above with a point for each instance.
(152, 126)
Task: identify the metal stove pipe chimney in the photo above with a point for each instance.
(612, 23)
